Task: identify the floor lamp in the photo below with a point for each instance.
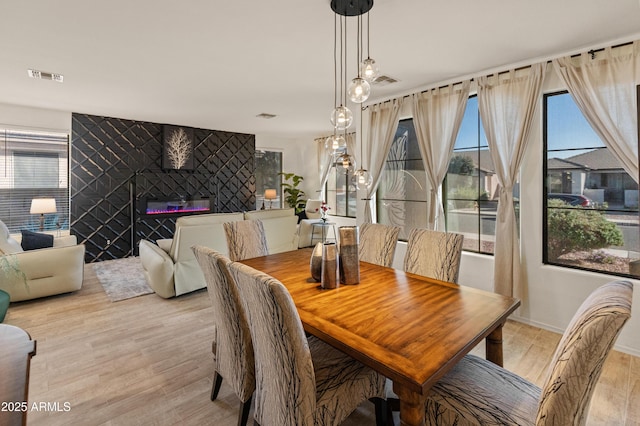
(41, 206)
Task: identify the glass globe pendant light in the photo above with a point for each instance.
(341, 117)
(359, 90)
(369, 68)
(346, 163)
(335, 142)
(361, 177)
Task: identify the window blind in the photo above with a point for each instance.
(33, 164)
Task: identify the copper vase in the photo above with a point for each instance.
(349, 261)
(330, 276)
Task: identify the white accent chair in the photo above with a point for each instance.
(305, 229)
(170, 267)
(31, 274)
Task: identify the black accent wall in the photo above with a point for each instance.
(116, 162)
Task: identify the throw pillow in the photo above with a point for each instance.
(35, 240)
(301, 215)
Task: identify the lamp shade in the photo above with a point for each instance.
(43, 205)
(270, 194)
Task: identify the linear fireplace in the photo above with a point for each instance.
(174, 206)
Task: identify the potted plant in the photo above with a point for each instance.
(294, 196)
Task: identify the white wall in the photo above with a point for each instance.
(35, 118)
(298, 156)
(553, 293)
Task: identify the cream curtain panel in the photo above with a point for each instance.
(437, 115)
(383, 123)
(604, 89)
(507, 105)
(325, 160)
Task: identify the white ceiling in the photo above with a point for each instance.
(217, 64)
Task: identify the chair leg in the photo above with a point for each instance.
(393, 404)
(381, 410)
(217, 382)
(245, 407)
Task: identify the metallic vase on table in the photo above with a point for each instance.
(349, 261)
(316, 262)
(330, 275)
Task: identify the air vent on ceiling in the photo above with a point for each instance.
(384, 80)
(266, 116)
(42, 75)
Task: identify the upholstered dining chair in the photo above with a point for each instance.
(434, 254)
(245, 239)
(478, 392)
(299, 381)
(232, 347)
(378, 243)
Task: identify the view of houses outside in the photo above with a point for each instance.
(591, 203)
(600, 231)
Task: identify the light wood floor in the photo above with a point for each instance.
(147, 361)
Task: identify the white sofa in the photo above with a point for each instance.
(170, 267)
(31, 274)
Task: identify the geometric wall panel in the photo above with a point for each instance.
(117, 162)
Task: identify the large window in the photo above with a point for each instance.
(468, 190)
(33, 164)
(402, 196)
(590, 202)
(341, 192)
(268, 165)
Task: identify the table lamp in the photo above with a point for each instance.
(41, 206)
(270, 194)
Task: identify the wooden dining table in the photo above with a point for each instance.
(410, 328)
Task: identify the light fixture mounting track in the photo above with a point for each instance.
(351, 7)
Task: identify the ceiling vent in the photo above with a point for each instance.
(42, 75)
(266, 116)
(384, 80)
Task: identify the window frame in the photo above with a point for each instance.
(545, 192)
(351, 194)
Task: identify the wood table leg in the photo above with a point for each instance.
(494, 346)
(411, 406)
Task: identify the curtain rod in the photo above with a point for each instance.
(592, 52)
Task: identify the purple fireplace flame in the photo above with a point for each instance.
(177, 206)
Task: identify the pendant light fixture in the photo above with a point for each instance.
(361, 177)
(368, 68)
(341, 116)
(359, 89)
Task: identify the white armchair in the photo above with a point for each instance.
(170, 267)
(30, 274)
(305, 230)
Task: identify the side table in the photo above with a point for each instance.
(324, 231)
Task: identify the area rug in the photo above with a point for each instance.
(122, 278)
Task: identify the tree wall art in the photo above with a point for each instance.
(177, 148)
